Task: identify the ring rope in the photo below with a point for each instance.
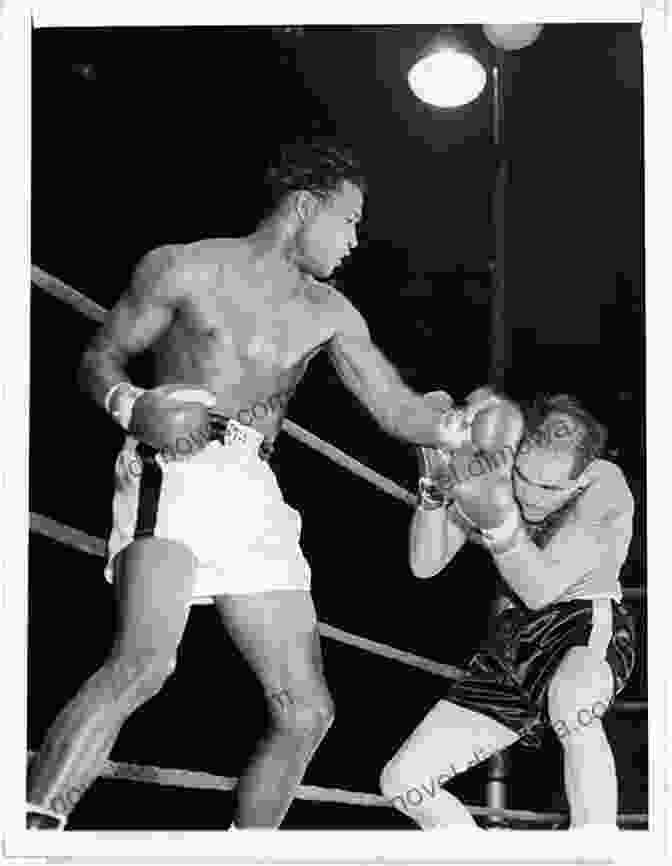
(63, 292)
(67, 535)
(197, 779)
(348, 462)
(79, 540)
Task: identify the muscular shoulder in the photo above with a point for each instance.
(178, 270)
(210, 259)
(162, 273)
(213, 252)
(607, 493)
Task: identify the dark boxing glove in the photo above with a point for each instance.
(485, 498)
(497, 425)
(173, 419)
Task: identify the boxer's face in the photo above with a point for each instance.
(544, 465)
(329, 230)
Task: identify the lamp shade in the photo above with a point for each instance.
(447, 77)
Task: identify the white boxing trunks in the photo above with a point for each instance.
(223, 502)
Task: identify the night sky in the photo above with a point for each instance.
(152, 136)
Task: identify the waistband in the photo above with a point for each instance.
(226, 431)
(602, 609)
(229, 432)
(244, 417)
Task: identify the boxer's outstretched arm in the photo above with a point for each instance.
(374, 380)
(144, 312)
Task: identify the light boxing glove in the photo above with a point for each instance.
(434, 464)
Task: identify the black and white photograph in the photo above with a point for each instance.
(337, 414)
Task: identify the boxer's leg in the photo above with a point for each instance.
(449, 740)
(153, 582)
(277, 634)
(578, 695)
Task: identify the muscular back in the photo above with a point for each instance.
(214, 316)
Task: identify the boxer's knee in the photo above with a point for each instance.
(395, 781)
(306, 718)
(406, 789)
(403, 784)
(136, 677)
(579, 695)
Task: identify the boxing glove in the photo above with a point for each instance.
(488, 502)
(174, 419)
(497, 427)
(434, 464)
(484, 493)
(457, 424)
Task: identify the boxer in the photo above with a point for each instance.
(197, 511)
(557, 521)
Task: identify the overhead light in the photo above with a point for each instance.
(512, 37)
(447, 75)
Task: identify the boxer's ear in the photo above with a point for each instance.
(481, 393)
(305, 204)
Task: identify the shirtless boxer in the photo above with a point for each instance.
(233, 324)
(557, 521)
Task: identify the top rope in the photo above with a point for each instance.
(60, 290)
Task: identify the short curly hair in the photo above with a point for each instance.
(592, 435)
(319, 165)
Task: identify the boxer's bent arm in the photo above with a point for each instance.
(433, 541)
(540, 576)
(367, 373)
(143, 313)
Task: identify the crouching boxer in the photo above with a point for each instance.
(197, 510)
(557, 520)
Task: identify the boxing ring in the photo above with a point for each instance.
(71, 537)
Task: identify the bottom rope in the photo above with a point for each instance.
(198, 779)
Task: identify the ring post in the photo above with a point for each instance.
(496, 789)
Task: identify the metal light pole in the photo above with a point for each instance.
(499, 347)
(504, 37)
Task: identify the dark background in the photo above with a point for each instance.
(142, 137)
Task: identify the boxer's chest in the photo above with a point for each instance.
(261, 330)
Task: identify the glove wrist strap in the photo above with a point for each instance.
(454, 429)
(429, 495)
(119, 402)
